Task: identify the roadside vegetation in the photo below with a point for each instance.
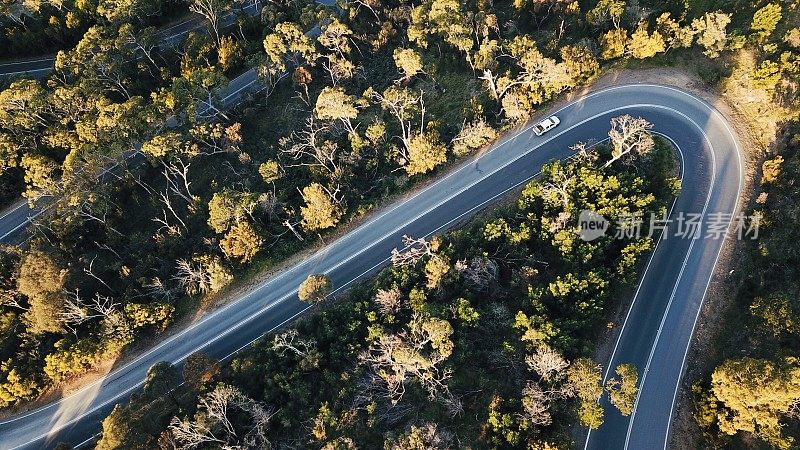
(36, 28)
(749, 396)
(482, 335)
(380, 97)
(752, 392)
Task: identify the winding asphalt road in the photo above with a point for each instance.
(17, 216)
(657, 330)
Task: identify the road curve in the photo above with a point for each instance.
(658, 327)
(659, 324)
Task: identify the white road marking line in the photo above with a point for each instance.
(672, 296)
(20, 203)
(176, 361)
(674, 288)
(25, 71)
(14, 63)
(736, 207)
(641, 282)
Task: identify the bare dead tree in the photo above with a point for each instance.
(191, 276)
(146, 46)
(166, 200)
(165, 225)
(85, 210)
(214, 139)
(629, 136)
(536, 404)
(559, 187)
(291, 340)
(189, 434)
(269, 77)
(293, 228)
(210, 100)
(401, 107)
(499, 90)
(380, 356)
(177, 175)
(107, 248)
(368, 4)
(392, 414)
(546, 362)
(794, 409)
(309, 147)
(268, 202)
(368, 388)
(216, 405)
(260, 416)
(389, 301)
(90, 271)
(415, 249)
(453, 405)
(137, 178)
(156, 288)
(11, 298)
(213, 13)
(77, 311)
(583, 154)
(411, 354)
(339, 68)
(536, 400)
(104, 305)
(480, 272)
(213, 422)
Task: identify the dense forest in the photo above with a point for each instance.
(361, 101)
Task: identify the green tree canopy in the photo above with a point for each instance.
(765, 20)
(321, 211)
(242, 242)
(623, 391)
(711, 31)
(754, 395)
(315, 288)
(643, 45)
(586, 378)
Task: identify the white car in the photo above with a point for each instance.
(546, 125)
